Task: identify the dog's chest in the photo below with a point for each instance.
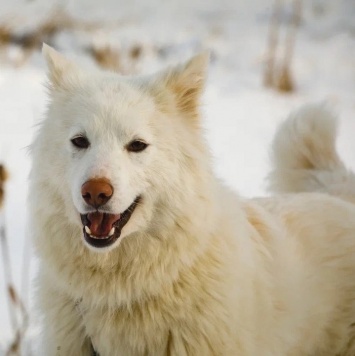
(138, 330)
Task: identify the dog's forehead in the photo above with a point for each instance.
(116, 104)
(121, 95)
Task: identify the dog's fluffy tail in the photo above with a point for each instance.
(305, 157)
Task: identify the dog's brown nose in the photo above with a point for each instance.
(97, 192)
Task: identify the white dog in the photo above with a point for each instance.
(144, 252)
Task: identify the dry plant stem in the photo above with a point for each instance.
(13, 300)
(285, 82)
(8, 276)
(3, 177)
(15, 347)
(274, 26)
(16, 308)
(25, 275)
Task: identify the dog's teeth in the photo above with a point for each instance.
(88, 231)
(101, 237)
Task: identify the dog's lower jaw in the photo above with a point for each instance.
(108, 239)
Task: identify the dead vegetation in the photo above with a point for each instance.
(122, 61)
(106, 57)
(278, 72)
(3, 178)
(273, 36)
(17, 311)
(59, 20)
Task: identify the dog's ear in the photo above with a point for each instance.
(187, 82)
(60, 69)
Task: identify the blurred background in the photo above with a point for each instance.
(268, 57)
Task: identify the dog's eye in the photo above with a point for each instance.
(80, 142)
(137, 146)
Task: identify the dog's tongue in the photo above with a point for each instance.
(102, 223)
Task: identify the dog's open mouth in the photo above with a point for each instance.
(103, 229)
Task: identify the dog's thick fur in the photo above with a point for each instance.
(197, 270)
(305, 155)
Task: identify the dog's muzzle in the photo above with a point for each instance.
(103, 229)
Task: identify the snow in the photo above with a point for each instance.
(240, 115)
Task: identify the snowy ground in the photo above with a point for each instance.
(240, 115)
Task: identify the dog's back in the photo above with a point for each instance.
(305, 161)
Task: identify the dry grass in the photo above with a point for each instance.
(106, 57)
(58, 20)
(3, 178)
(285, 81)
(273, 36)
(17, 311)
(111, 58)
(279, 75)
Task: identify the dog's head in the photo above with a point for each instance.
(120, 147)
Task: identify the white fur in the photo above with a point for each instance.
(305, 156)
(198, 270)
